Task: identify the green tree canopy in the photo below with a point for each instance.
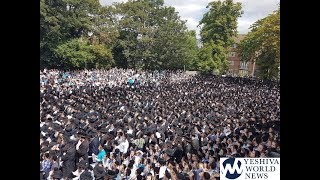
(219, 27)
(61, 22)
(78, 53)
(262, 45)
(212, 58)
(136, 34)
(152, 36)
(220, 22)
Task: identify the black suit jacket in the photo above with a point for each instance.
(83, 149)
(94, 146)
(69, 162)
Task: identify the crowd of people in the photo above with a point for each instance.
(126, 124)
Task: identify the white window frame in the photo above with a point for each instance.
(243, 65)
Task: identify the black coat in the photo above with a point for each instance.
(69, 162)
(83, 150)
(94, 146)
(195, 144)
(178, 154)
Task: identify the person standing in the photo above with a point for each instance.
(82, 148)
(101, 154)
(68, 158)
(94, 147)
(46, 165)
(139, 142)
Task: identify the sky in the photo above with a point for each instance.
(193, 11)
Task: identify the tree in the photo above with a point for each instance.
(60, 22)
(220, 22)
(212, 58)
(262, 46)
(105, 27)
(79, 54)
(75, 54)
(103, 56)
(137, 34)
(171, 48)
(219, 26)
(133, 23)
(152, 36)
(191, 51)
(50, 33)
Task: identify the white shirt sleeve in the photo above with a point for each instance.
(78, 145)
(162, 171)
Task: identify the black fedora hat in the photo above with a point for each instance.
(92, 133)
(99, 172)
(93, 120)
(57, 127)
(76, 121)
(86, 175)
(57, 174)
(45, 149)
(69, 131)
(83, 164)
(82, 134)
(51, 144)
(104, 130)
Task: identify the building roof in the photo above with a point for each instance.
(238, 38)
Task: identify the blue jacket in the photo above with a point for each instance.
(101, 154)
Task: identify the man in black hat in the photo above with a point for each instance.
(195, 142)
(86, 175)
(94, 144)
(178, 153)
(82, 147)
(99, 171)
(68, 159)
(57, 174)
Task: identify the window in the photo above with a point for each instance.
(243, 73)
(232, 54)
(231, 63)
(243, 65)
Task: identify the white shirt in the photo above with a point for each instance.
(129, 131)
(162, 171)
(123, 147)
(158, 135)
(77, 173)
(78, 145)
(72, 138)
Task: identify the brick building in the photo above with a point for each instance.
(236, 66)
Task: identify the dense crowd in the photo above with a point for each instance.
(126, 124)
